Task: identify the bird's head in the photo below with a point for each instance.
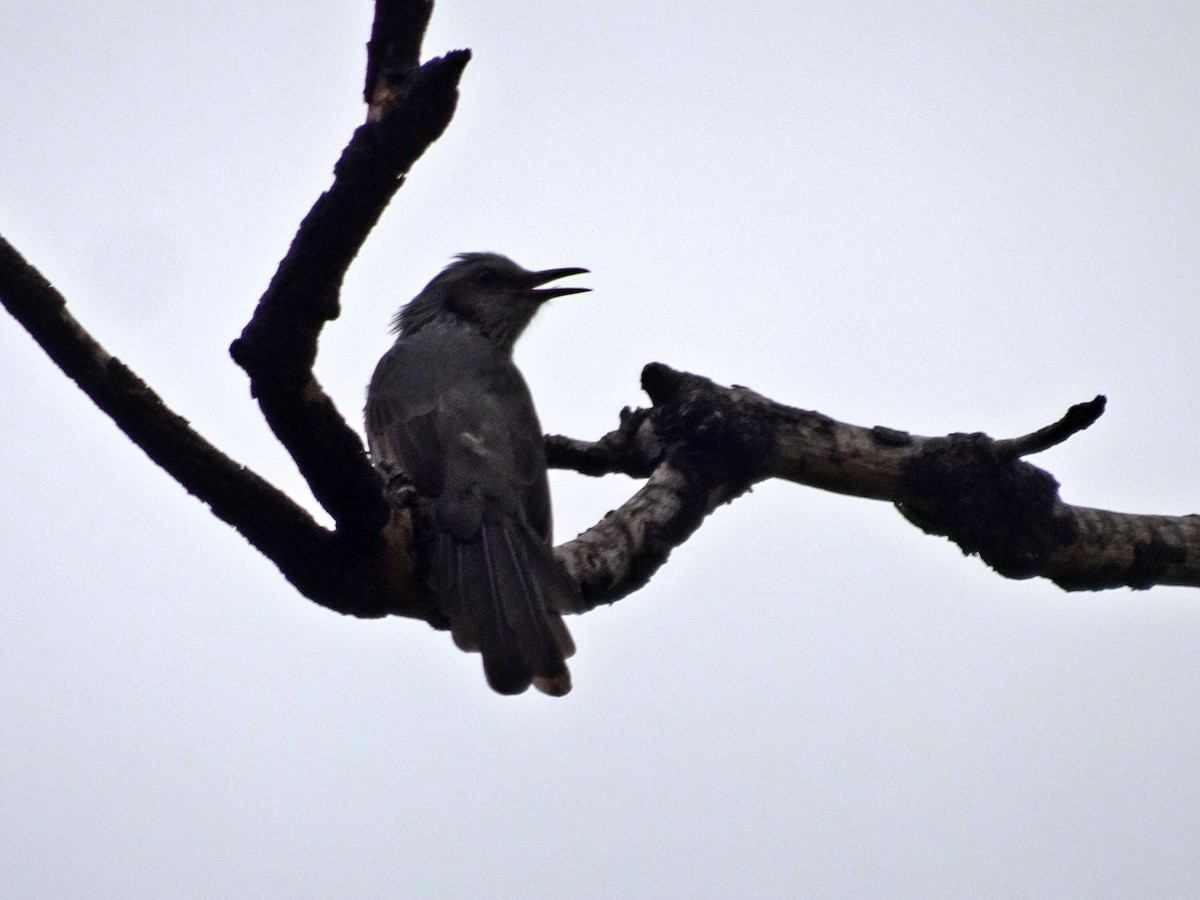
(485, 291)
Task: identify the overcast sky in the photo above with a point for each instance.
(930, 216)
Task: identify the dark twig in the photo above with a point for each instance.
(1075, 420)
(632, 449)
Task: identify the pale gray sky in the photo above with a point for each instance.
(936, 217)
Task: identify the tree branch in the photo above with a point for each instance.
(279, 345)
(309, 556)
(394, 50)
(365, 566)
(1075, 420)
(630, 450)
(699, 444)
(709, 443)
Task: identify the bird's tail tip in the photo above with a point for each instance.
(559, 686)
(509, 681)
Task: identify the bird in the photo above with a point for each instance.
(448, 408)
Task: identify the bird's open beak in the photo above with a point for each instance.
(543, 294)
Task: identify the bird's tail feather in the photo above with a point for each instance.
(499, 592)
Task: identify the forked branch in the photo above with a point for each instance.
(698, 445)
(714, 441)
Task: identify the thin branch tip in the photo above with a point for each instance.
(1078, 418)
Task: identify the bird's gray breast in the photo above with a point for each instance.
(452, 410)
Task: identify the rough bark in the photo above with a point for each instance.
(707, 443)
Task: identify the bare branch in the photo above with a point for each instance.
(620, 554)
(1075, 420)
(716, 441)
(365, 566)
(394, 50)
(708, 447)
(970, 489)
(307, 554)
(632, 449)
(279, 345)
(699, 445)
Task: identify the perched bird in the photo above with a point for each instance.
(448, 408)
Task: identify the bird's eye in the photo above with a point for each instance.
(487, 278)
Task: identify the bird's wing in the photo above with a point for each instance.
(457, 417)
(401, 422)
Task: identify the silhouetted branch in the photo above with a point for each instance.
(394, 50)
(279, 528)
(975, 490)
(365, 566)
(279, 345)
(1075, 420)
(632, 449)
(699, 444)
